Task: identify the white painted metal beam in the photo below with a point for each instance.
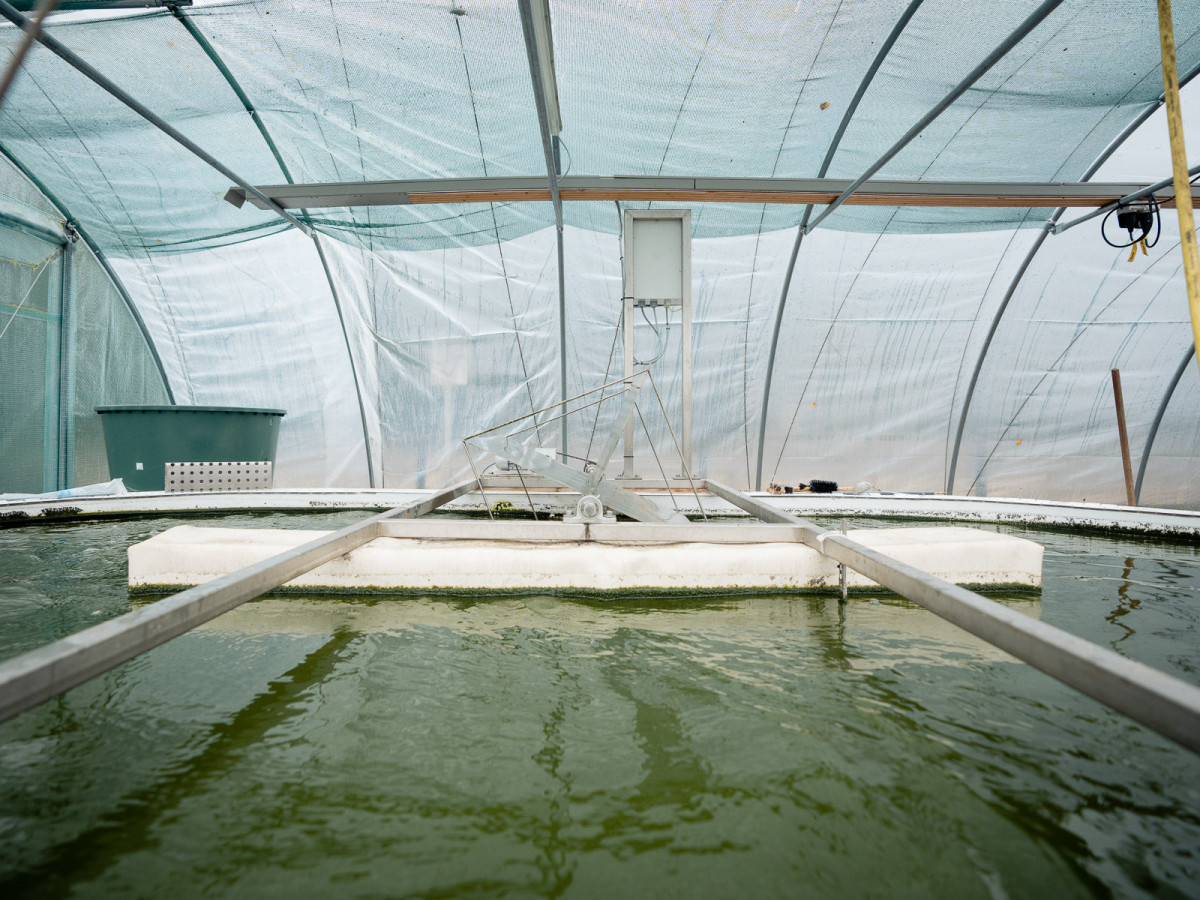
(1159, 701)
(664, 188)
(49, 671)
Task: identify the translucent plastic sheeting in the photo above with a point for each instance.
(113, 363)
(1044, 422)
(455, 341)
(874, 360)
(878, 345)
(373, 90)
(132, 187)
(255, 325)
(29, 319)
(461, 340)
(450, 342)
(875, 348)
(451, 312)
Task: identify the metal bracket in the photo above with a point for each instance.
(590, 481)
(610, 494)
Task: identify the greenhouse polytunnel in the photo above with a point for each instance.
(958, 349)
(560, 448)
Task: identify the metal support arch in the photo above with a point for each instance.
(995, 56)
(1022, 31)
(1051, 227)
(1158, 417)
(68, 315)
(535, 75)
(108, 269)
(215, 57)
(51, 368)
(362, 409)
(884, 50)
(237, 89)
(9, 12)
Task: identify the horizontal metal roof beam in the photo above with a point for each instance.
(72, 5)
(680, 189)
(1167, 184)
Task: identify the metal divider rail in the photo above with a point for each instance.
(1155, 699)
(49, 671)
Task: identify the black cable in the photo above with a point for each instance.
(1157, 221)
(1156, 227)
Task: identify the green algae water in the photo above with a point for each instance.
(542, 747)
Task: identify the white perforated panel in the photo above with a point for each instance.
(217, 476)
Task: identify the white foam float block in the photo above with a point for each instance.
(188, 555)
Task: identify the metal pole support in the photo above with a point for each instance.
(1157, 700)
(1119, 399)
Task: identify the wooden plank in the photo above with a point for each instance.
(865, 198)
(694, 190)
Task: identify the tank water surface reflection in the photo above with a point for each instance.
(536, 746)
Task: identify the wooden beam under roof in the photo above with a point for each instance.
(688, 190)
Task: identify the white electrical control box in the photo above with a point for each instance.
(658, 273)
(656, 263)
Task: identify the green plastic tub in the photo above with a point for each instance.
(141, 440)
